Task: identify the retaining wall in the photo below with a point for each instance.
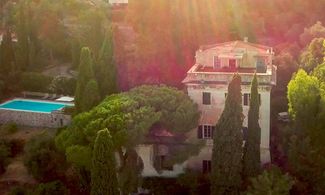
(55, 119)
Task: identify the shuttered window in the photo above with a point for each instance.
(205, 131)
(206, 98)
(246, 99)
(206, 166)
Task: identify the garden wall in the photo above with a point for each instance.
(35, 119)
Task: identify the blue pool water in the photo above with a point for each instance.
(32, 106)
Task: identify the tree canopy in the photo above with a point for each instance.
(129, 116)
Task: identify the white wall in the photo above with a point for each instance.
(210, 115)
(213, 112)
(147, 155)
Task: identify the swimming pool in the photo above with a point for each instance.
(33, 105)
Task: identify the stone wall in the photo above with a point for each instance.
(35, 119)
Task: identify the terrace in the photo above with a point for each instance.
(200, 75)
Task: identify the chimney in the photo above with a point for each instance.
(245, 39)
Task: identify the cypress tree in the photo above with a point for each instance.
(103, 172)
(85, 74)
(90, 96)
(7, 55)
(22, 35)
(252, 159)
(227, 144)
(106, 68)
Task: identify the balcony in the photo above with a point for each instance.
(205, 75)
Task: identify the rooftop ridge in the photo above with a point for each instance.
(234, 44)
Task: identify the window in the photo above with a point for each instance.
(216, 62)
(232, 63)
(205, 131)
(206, 166)
(206, 98)
(244, 129)
(164, 165)
(160, 163)
(246, 99)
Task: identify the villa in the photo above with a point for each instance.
(207, 83)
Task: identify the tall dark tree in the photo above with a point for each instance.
(103, 172)
(7, 55)
(227, 143)
(84, 76)
(91, 96)
(106, 70)
(252, 159)
(22, 35)
(9, 72)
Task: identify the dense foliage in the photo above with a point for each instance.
(36, 82)
(313, 54)
(63, 85)
(306, 147)
(50, 188)
(174, 29)
(42, 159)
(129, 117)
(227, 144)
(271, 181)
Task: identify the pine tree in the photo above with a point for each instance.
(90, 96)
(106, 68)
(85, 74)
(103, 172)
(227, 144)
(252, 159)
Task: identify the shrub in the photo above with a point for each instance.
(157, 185)
(9, 128)
(33, 81)
(42, 159)
(63, 85)
(16, 146)
(70, 110)
(194, 182)
(4, 154)
(18, 190)
(271, 181)
(51, 188)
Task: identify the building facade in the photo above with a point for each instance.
(207, 83)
